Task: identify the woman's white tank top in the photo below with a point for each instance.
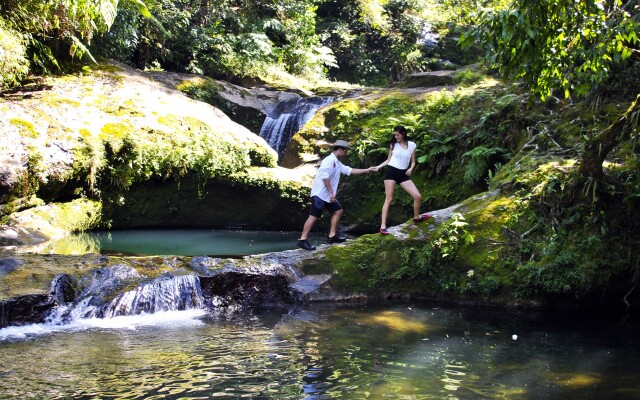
(401, 158)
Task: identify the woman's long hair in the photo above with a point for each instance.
(401, 130)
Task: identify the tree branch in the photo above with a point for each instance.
(599, 146)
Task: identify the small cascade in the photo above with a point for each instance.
(104, 298)
(287, 119)
(176, 293)
(428, 38)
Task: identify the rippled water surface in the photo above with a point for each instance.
(324, 352)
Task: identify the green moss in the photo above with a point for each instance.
(125, 109)
(26, 128)
(203, 89)
(75, 216)
(115, 130)
(85, 133)
(110, 68)
(262, 179)
(487, 218)
(56, 101)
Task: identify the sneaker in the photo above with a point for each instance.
(336, 239)
(304, 244)
(423, 217)
(384, 231)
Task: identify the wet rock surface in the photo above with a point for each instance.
(100, 286)
(27, 309)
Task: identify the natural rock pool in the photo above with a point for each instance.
(324, 352)
(181, 242)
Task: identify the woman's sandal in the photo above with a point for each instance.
(423, 217)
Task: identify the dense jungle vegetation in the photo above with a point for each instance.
(570, 91)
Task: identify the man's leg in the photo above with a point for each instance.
(335, 219)
(307, 227)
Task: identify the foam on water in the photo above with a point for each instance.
(167, 319)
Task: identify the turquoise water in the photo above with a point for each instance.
(192, 242)
(324, 352)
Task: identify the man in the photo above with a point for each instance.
(323, 193)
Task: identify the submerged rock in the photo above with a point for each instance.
(9, 265)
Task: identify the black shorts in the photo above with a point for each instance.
(317, 205)
(395, 174)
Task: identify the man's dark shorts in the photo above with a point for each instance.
(395, 174)
(317, 205)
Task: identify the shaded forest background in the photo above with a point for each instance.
(366, 42)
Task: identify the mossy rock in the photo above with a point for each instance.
(429, 79)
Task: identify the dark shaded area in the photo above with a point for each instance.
(23, 310)
(243, 290)
(207, 204)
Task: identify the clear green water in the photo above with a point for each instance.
(325, 352)
(192, 242)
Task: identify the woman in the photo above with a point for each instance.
(400, 164)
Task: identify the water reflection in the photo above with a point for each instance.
(325, 352)
(192, 242)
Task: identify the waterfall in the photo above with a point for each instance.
(428, 38)
(287, 118)
(166, 293)
(176, 293)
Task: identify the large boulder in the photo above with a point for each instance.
(102, 137)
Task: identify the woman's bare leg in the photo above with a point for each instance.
(411, 188)
(389, 186)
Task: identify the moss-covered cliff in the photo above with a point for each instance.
(136, 152)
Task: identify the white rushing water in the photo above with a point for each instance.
(158, 319)
(165, 301)
(287, 118)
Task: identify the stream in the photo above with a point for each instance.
(391, 351)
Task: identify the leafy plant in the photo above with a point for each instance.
(452, 236)
(479, 161)
(14, 65)
(437, 148)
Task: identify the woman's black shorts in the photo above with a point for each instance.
(395, 174)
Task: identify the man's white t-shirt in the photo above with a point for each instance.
(330, 168)
(401, 158)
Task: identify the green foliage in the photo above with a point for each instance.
(561, 44)
(14, 65)
(468, 77)
(223, 39)
(414, 266)
(437, 148)
(451, 236)
(164, 157)
(568, 268)
(374, 42)
(479, 161)
(58, 29)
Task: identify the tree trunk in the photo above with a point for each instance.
(599, 146)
